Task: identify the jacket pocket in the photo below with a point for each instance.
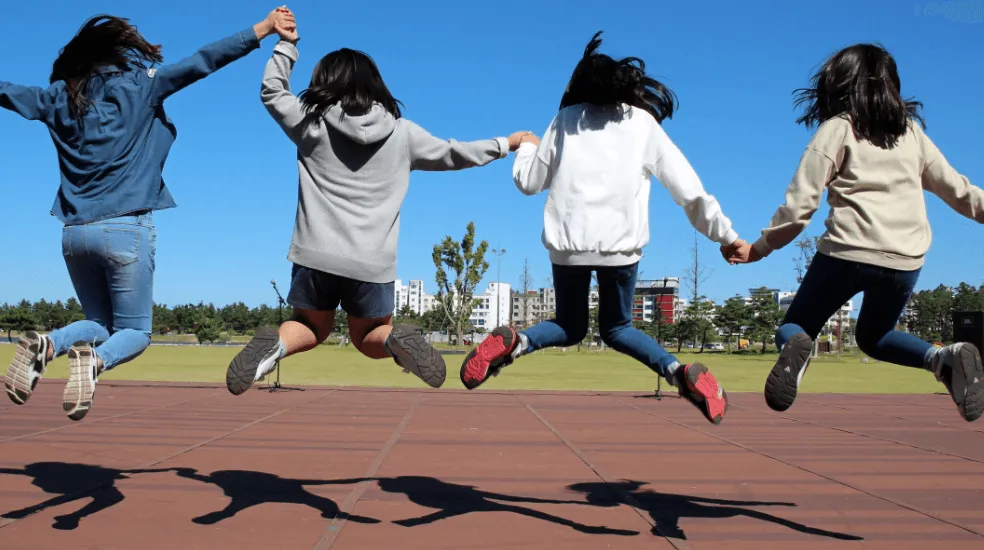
(122, 245)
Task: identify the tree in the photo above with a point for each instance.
(466, 263)
(208, 329)
(732, 317)
(236, 317)
(696, 274)
(341, 321)
(524, 287)
(766, 316)
(807, 250)
(698, 315)
(968, 298)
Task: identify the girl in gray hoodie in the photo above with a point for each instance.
(355, 153)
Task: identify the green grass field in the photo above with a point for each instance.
(547, 370)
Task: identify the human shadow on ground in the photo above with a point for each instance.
(72, 482)
(667, 509)
(451, 500)
(246, 489)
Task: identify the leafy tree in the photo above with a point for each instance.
(341, 321)
(766, 316)
(208, 329)
(732, 317)
(466, 265)
(699, 314)
(236, 317)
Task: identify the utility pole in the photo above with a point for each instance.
(499, 252)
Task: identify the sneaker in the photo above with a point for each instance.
(784, 380)
(255, 361)
(486, 360)
(700, 387)
(28, 366)
(81, 386)
(958, 367)
(416, 356)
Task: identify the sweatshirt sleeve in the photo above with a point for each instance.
(942, 180)
(429, 153)
(675, 173)
(531, 169)
(170, 79)
(30, 102)
(803, 197)
(275, 92)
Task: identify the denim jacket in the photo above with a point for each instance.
(111, 161)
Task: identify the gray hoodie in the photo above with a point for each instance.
(354, 172)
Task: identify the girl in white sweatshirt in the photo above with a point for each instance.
(596, 160)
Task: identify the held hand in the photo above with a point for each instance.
(729, 250)
(745, 254)
(281, 17)
(520, 138)
(287, 27)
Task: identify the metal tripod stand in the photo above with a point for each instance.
(280, 316)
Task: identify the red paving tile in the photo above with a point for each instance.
(346, 468)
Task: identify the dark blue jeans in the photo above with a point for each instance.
(616, 290)
(831, 282)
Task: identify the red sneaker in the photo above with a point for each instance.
(697, 385)
(489, 357)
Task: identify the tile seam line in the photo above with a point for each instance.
(629, 499)
(84, 492)
(804, 469)
(867, 436)
(919, 420)
(334, 528)
(100, 420)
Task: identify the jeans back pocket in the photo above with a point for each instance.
(122, 245)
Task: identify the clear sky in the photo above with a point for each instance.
(472, 70)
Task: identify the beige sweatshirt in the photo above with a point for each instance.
(877, 205)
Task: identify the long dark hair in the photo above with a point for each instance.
(103, 41)
(601, 80)
(862, 83)
(351, 79)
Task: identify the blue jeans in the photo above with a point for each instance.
(111, 263)
(616, 292)
(831, 282)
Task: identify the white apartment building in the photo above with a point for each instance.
(493, 308)
(534, 306)
(412, 294)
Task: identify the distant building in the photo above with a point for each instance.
(656, 299)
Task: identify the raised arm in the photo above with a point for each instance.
(942, 180)
(675, 173)
(30, 102)
(275, 92)
(803, 197)
(170, 79)
(432, 154)
(534, 158)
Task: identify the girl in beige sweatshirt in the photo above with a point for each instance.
(871, 154)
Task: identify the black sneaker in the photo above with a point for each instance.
(486, 360)
(958, 367)
(416, 356)
(255, 361)
(27, 367)
(784, 380)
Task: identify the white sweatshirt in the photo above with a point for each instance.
(597, 163)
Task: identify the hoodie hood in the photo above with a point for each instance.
(372, 127)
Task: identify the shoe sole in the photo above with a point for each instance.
(416, 356)
(715, 400)
(782, 384)
(242, 370)
(969, 361)
(18, 378)
(77, 399)
(475, 370)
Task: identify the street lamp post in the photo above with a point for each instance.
(499, 252)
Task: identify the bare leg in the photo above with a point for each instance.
(306, 330)
(369, 335)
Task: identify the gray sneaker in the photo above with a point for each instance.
(81, 385)
(28, 366)
(958, 366)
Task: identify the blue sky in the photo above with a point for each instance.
(470, 70)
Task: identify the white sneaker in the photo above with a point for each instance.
(77, 399)
(28, 366)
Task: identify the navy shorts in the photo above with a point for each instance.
(320, 291)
